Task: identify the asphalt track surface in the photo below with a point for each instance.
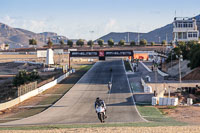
(77, 105)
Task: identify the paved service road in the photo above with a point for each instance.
(77, 106)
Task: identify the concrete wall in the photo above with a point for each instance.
(143, 98)
(35, 92)
(9, 103)
(160, 87)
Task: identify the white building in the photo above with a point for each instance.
(185, 29)
(4, 46)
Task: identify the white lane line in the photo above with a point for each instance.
(132, 94)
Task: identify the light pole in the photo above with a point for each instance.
(92, 37)
(156, 76)
(138, 38)
(171, 57)
(128, 38)
(180, 59)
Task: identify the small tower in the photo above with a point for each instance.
(49, 57)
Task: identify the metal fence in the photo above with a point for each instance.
(23, 89)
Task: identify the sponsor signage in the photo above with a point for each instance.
(101, 54)
(41, 53)
(83, 53)
(58, 51)
(119, 53)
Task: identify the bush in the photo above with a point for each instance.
(100, 42)
(24, 77)
(143, 42)
(80, 42)
(121, 43)
(132, 43)
(111, 42)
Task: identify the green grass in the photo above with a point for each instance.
(49, 127)
(127, 66)
(65, 86)
(150, 113)
(153, 115)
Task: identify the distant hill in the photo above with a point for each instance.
(152, 36)
(17, 38)
(117, 36)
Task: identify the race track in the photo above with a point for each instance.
(77, 106)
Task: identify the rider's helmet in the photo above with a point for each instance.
(97, 99)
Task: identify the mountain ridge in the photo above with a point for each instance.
(17, 37)
(156, 35)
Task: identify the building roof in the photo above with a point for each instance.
(193, 75)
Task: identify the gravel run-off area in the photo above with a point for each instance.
(180, 129)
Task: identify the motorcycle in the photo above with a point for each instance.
(100, 113)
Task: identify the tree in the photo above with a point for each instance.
(143, 42)
(132, 43)
(121, 43)
(49, 43)
(111, 42)
(100, 42)
(181, 43)
(152, 43)
(80, 42)
(177, 51)
(195, 62)
(62, 43)
(194, 48)
(33, 75)
(164, 42)
(90, 43)
(70, 43)
(32, 42)
(20, 78)
(7, 45)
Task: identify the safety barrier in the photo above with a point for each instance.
(147, 89)
(146, 67)
(162, 73)
(163, 101)
(35, 92)
(29, 62)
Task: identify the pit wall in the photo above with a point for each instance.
(160, 87)
(35, 92)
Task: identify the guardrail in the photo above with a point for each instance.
(130, 65)
(162, 73)
(35, 92)
(147, 89)
(29, 62)
(146, 67)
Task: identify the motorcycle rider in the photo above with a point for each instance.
(100, 102)
(109, 86)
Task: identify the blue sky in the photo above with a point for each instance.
(76, 18)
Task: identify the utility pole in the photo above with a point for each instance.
(92, 37)
(128, 37)
(138, 38)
